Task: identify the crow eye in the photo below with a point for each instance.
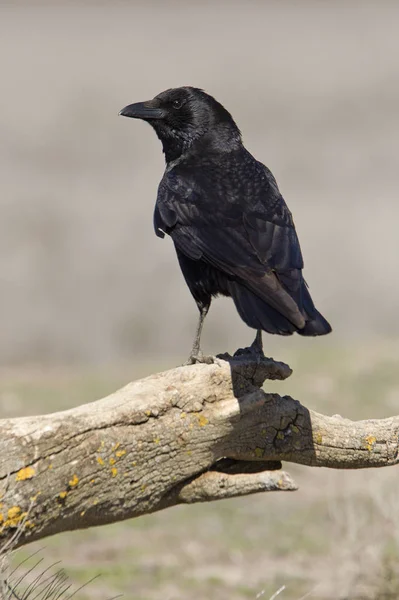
(178, 103)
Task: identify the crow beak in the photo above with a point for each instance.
(142, 110)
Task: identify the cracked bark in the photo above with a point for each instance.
(192, 434)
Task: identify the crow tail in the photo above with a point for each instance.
(256, 313)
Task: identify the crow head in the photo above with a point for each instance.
(182, 116)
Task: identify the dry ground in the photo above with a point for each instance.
(337, 538)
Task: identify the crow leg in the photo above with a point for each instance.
(256, 348)
(257, 344)
(196, 355)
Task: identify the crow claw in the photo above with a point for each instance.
(199, 358)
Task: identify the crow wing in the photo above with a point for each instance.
(245, 231)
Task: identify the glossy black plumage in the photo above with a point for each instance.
(231, 228)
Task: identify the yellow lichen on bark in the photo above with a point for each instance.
(14, 517)
(74, 481)
(25, 473)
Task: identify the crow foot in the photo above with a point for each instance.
(255, 349)
(250, 351)
(199, 357)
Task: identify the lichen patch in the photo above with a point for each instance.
(74, 481)
(25, 473)
(202, 420)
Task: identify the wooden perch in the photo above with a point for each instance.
(191, 434)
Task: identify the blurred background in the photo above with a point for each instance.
(85, 284)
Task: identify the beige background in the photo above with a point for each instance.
(313, 85)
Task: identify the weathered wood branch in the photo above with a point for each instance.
(191, 434)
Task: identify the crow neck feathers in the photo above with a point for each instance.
(202, 123)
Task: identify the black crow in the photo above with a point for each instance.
(233, 233)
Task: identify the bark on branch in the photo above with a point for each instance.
(191, 434)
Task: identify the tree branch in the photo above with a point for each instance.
(191, 434)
